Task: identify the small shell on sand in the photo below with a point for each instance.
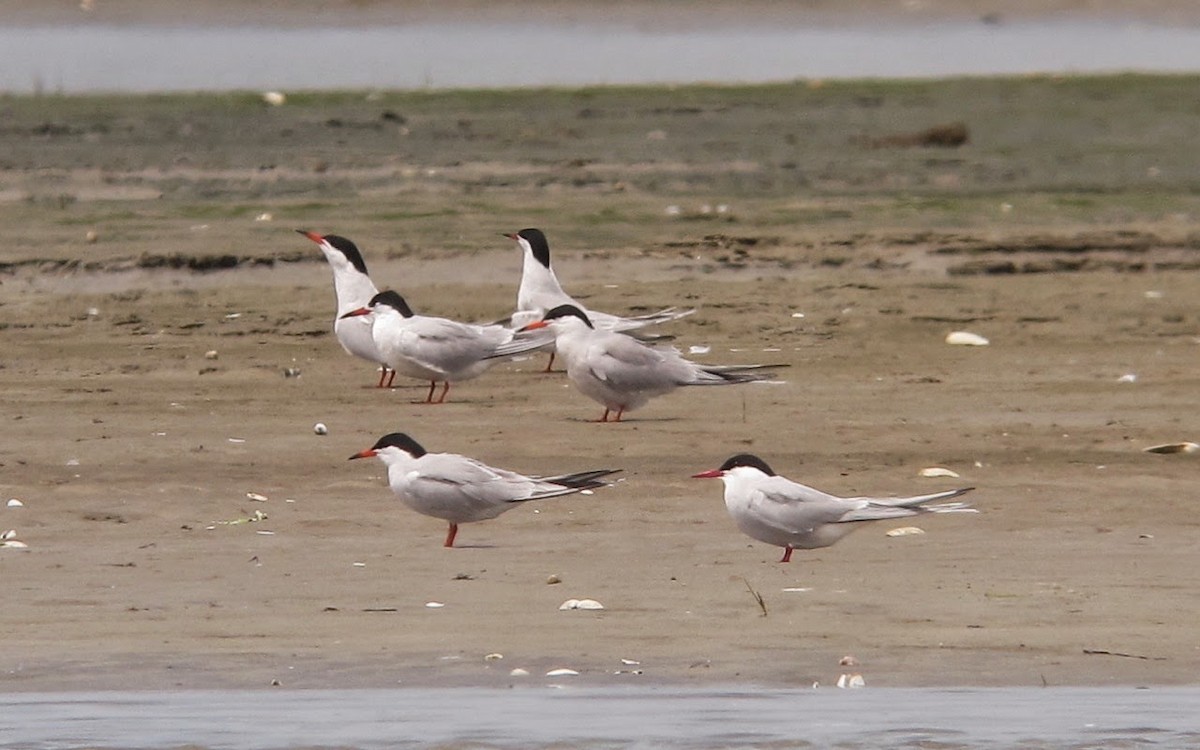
(848, 661)
(966, 338)
(493, 657)
(256, 497)
(581, 604)
(851, 681)
(518, 672)
(274, 98)
(561, 673)
(937, 471)
(15, 503)
(320, 429)
(1173, 448)
(906, 531)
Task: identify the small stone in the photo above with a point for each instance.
(552, 579)
(320, 429)
(211, 354)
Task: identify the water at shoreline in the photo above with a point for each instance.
(585, 717)
(79, 59)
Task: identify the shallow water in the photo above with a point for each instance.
(656, 717)
(149, 58)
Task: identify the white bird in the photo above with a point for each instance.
(622, 373)
(778, 511)
(540, 291)
(353, 289)
(436, 349)
(458, 489)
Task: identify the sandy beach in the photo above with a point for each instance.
(143, 233)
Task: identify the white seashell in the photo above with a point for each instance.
(797, 315)
(1173, 448)
(581, 604)
(73, 462)
(320, 429)
(15, 503)
(493, 657)
(561, 673)
(256, 497)
(264, 217)
(265, 533)
(906, 531)
(359, 564)
(552, 579)
(237, 440)
(14, 544)
(1128, 377)
(274, 98)
(1153, 294)
(434, 605)
(631, 663)
(93, 312)
(699, 349)
(937, 471)
(233, 316)
(211, 354)
(851, 681)
(798, 589)
(966, 338)
(848, 661)
(518, 672)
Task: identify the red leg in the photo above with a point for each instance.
(391, 377)
(383, 371)
(619, 413)
(429, 396)
(787, 554)
(605, 417)
(550, 364)
(445, 390)
(450, 535)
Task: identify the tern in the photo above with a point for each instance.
(459, 490)
(436, 349)
(540, 292)
(354, 289)
(778, 511)
(622, 373)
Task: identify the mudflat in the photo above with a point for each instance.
(168, 351)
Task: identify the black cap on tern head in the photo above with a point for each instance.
(402, 441)
(345, 247)
(393, 300)
(537, 243)
(567, 311)
(747, 459)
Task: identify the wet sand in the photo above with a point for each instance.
(133, 452)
